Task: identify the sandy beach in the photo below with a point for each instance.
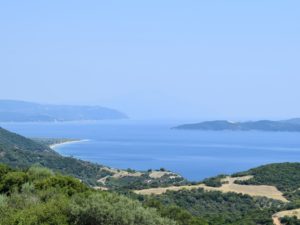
(55, 146)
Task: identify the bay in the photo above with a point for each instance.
(142, 145)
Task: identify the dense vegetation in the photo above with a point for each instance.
(10, 140)
(20, 152)
(285, 176)
(38, 196)
(214, 181)
(290, 220)
(220, 209)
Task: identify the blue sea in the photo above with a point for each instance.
(142, 145)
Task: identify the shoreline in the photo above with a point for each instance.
(57, 145)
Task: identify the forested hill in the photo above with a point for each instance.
(20, 111)
(9, 140)
(292, 125)
(20, 152)
(284, 176)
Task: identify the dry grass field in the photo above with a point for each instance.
(276, 216)
(118, 174)
(294, 212)
(228, 186)
(158, 174)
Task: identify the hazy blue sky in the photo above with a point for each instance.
(155, 59)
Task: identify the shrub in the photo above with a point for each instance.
(67, 185)
(12, 181)
(112, 209)
(38, 173)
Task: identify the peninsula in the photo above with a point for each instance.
(21, 111)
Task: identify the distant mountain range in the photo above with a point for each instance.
(20, 111)
(292, 125)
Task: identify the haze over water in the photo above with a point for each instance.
(143, 145)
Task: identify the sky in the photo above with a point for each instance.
(158, 59)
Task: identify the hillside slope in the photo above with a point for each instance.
(20, 152)
(235, 207)
(39, 196)
(10, 140)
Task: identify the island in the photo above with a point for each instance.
(291, 125)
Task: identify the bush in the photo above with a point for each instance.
(12, 181)
(38, 173)
(52, 212)
(112, 209)
(290, 220)
(214, 181)
(4, 170)
(67, 185)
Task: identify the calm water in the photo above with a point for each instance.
(142, 145)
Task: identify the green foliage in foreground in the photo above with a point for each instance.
(39, 197)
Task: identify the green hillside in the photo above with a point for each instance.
(20, 152)
(31, 194)
(9, 140)
(38, 196)
(218, 208)
(284, 176)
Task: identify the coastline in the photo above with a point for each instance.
(57, 145)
